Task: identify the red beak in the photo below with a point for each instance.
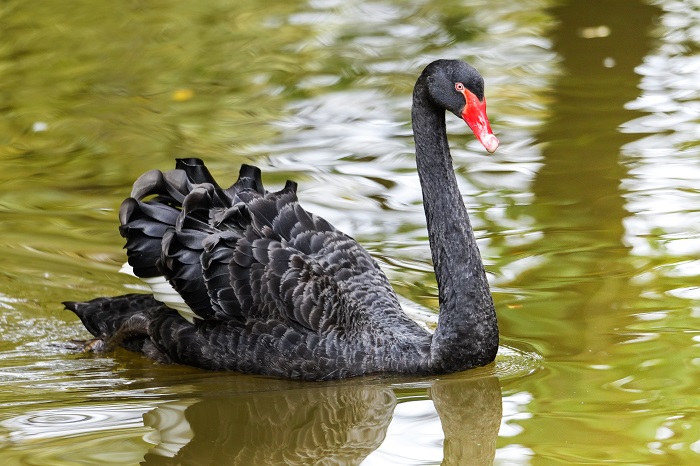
(474, 114)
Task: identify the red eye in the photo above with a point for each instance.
(459, 87)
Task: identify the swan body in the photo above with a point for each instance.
(263, 286)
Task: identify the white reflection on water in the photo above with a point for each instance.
(6, 302)
(69, 421)
(414, 436)
(171, 430)
(662, 190)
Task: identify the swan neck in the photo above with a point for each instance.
(467, 331)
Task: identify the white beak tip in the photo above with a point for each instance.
(490, 143)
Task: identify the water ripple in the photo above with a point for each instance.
(71, 421)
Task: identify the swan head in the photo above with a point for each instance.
(458, 87)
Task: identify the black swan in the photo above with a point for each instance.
(265, 287)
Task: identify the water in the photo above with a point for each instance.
(587, 217)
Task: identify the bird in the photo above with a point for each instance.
(246, 280)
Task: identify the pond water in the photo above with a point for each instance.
(588, 219)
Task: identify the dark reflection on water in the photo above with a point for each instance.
(340, 424)
(578, 204)
(470, 412)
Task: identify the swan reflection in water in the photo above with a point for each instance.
(332, 424)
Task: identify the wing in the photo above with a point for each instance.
(166, 220)
(243, 254)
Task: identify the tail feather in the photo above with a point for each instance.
(196, 171)
(103, 317)
(249, 177)
(123, 321)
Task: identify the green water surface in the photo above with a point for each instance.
(588, 219)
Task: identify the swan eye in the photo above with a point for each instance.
(459, 87)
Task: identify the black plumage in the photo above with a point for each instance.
(270, 288)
